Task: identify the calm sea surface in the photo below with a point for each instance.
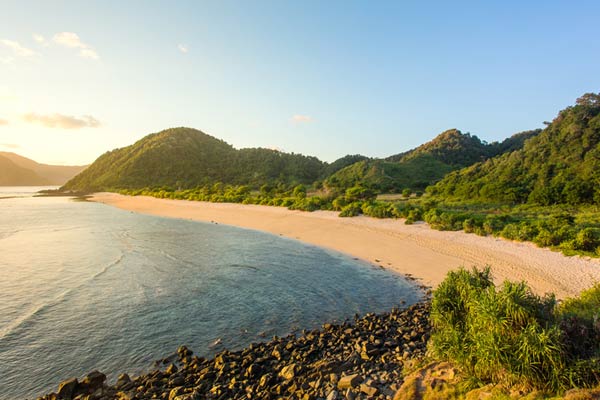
(86, 286)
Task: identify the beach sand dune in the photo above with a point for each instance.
(424, 253)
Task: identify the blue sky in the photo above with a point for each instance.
(325, 78)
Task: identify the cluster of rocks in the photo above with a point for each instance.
(362, 359)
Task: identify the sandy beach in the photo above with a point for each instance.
(424, 253)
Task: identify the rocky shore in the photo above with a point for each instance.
(361, 359)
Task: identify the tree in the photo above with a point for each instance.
(300, 191)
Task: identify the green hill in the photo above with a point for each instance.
(424, 165)
(343, 162)
(561, 165)
(185, 158)
(13, 175)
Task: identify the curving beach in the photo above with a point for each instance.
(416, 250)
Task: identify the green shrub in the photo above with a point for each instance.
(508, 335)
(377, 209)
(351, 210)
(587, 239)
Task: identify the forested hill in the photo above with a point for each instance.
(185, 157)
(424, 165)
(560, 165)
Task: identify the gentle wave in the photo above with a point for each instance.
(22, 321)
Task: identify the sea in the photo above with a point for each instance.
(86, 286)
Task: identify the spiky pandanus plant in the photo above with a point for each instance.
(508, 334)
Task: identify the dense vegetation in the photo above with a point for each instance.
(185, 158)
(510, 336)
(424, 165)
(561, 165)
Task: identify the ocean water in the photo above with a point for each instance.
(86, 286)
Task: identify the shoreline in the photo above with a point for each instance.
(412, 250)
(361, 359)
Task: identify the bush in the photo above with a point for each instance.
(351, 210)
(377, 209)
(509, 335)
(587, 239)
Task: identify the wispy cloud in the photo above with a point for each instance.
(72, 40)
(17, 49)
(3, 122)
(10, 145)
(62, 121)
(183, 48)
(40, 39)
(301, 119)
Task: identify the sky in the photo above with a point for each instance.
(324, 78)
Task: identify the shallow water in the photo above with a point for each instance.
(86, 286)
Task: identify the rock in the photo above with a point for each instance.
(175, 392)
(349, 381)
(189, 396)
(253, 370)
(122, 380)
(369, 350)
(92, 381)
(177, 381)
(334, 378)
(66, 389)
(288, 372)
(369, 390)
(183, 351)
(125, 395)
(171, 369)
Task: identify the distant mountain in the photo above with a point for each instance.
(185, 157)
(44, 173)
(424, 165)
(559, 165)
(13, 175)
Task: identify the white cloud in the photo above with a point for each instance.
(62, 121)
(300, 119)
(40, 39)
(89, 53)
(183, 48)
(17, 48)
(69, 39)
(3, 122)
(72, 40)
